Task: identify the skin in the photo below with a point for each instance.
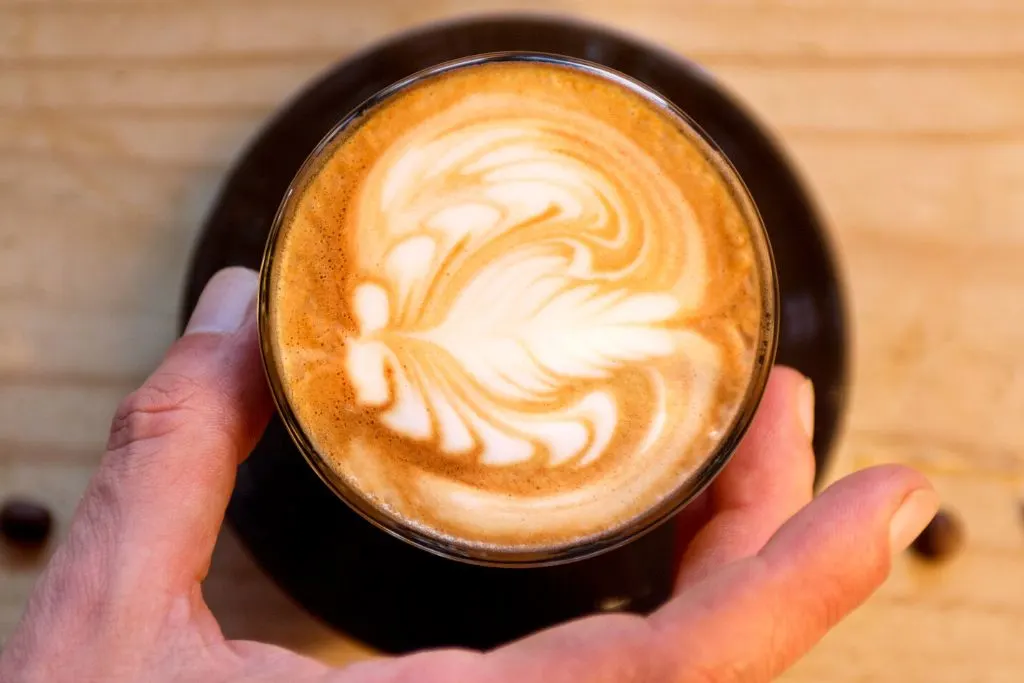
(766, 570)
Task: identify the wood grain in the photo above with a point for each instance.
(119, 117)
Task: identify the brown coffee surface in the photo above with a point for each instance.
(515, 306)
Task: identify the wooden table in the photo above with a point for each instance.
(118, 118)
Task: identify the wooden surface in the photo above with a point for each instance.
(119, 117)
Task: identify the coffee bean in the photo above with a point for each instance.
(25, 523)
(941, 539)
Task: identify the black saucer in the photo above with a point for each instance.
(381, 590)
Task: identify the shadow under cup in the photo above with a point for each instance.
(662, 510)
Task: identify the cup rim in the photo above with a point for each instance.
(671, 503)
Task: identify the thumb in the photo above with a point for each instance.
(144, 532)
(757, 616)
(156, 504)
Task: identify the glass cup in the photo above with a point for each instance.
(652, 517)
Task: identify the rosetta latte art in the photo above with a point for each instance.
(506, 267)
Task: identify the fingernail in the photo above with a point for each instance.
(805, 407)
(224, 303)
(911, 518)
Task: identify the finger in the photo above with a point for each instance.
(768, 479)
(755, 617)
(175, 443)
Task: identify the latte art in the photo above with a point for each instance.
(526, 315)
(506, 262)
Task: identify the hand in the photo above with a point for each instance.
(766, 571)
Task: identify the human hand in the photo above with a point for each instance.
(766, 572)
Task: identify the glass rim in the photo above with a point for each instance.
(587, 546)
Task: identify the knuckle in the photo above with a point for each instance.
(154, 410)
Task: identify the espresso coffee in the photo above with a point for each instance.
(516, 305)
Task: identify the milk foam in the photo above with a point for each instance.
(525, 295)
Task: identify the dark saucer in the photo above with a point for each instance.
(381, 590)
